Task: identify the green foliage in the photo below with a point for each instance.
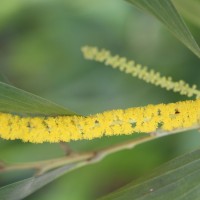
(190, 10)
(166, 13)
(40, 45)
(177, 179)
(22, 189)
(14, 100)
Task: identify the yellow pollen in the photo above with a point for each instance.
(116, 122)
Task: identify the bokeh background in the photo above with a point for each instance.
(40, 45)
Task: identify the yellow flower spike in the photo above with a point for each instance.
(62, 126)
(116, 122)
(15, 127)
(137, 70)
(4, 126)
(127, 129)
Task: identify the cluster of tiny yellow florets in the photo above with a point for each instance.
(137, 70)
(117, 122)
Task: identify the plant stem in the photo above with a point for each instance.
(88, 157)
(46, 165)
(66, 148)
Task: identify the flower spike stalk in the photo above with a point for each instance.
(137, 70)
(116, 122)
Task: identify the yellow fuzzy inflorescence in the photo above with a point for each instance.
(117, 122)
(137, 70)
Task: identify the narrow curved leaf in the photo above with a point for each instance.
(22, 189)
(165, 12)
(178, 179)
(190, 10)
(14, 100)
(3, 78)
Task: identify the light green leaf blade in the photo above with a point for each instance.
(3, 78)
(14, 100)
(165, 12)
(190, 10)
(178, 179)
(22, 189)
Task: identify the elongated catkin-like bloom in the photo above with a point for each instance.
(117, 122)
(137, 70)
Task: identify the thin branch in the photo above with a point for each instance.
(66, 148)
(131, 144)
(89, 157)
(46, 165)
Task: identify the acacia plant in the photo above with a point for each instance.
(56, 141)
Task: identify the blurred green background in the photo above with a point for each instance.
(40, 45)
